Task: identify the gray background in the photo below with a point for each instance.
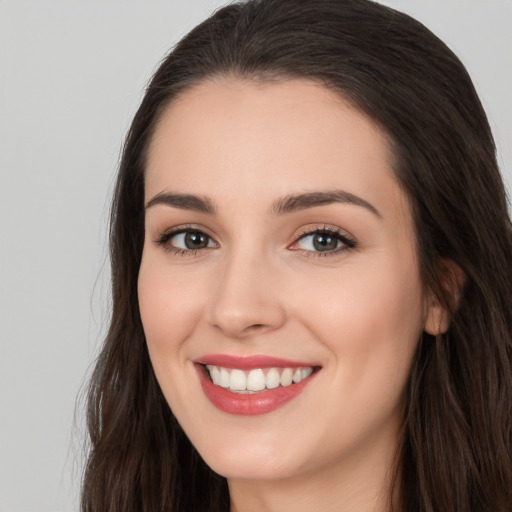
(71, 75)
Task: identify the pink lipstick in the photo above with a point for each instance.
(252, 385)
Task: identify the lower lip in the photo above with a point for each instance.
(249, 404)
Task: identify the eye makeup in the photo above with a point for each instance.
(323, 242)
(186, 241)
(313, 242)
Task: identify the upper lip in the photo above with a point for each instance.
(250, 362)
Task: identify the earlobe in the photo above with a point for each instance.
(438, 317)
(440, 311)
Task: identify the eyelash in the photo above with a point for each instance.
(164, 238)
(348, 242)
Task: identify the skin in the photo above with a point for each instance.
(259, 288)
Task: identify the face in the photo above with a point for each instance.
(279, 287)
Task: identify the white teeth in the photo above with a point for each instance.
(237, 380)
(258, 379)
(224, 378)
(306, 372)
(273, 379)
(214, 374)
(286, 377)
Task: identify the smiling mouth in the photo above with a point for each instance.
(252, 385)
(257, 380)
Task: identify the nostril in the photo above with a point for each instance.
(252, 327)
(255, 327)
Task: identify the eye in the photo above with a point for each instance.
(186, 240)
(191, 240)
(326, 240)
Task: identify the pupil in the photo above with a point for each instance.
(195, 240)
(324, 242)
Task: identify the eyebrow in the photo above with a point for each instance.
(184, 202)
(288, 204)
(295, 202)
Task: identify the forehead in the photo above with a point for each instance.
(268, 139)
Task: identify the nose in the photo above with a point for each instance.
(248, 298)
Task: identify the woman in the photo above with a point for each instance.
(311, 287)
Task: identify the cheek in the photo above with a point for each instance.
(169, 303)
(368, 300)
(371, 321)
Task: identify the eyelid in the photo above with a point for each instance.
(349, 242)
(163, 239)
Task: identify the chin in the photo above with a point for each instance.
(252, 453)
(252, 465)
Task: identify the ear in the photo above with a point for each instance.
(439, 311)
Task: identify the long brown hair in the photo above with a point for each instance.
(456, 447)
